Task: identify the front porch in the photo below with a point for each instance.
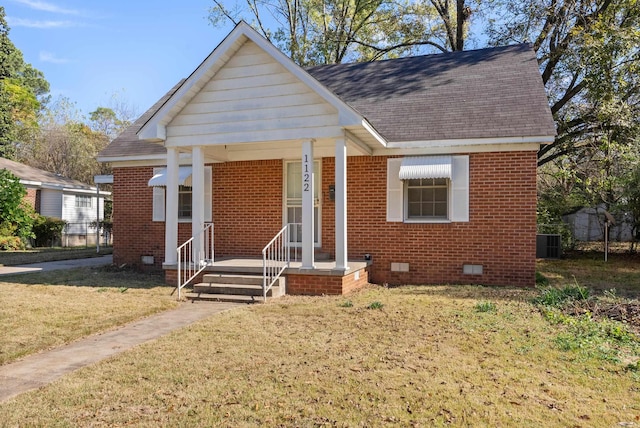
(324, 279)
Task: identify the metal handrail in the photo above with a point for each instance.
(190, 264)
(275, 259)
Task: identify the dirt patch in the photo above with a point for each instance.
(626, 312)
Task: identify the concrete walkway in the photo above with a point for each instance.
(41, 369)
(61, 264)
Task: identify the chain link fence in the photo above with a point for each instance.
(77, 234)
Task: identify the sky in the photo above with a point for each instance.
(90, 51)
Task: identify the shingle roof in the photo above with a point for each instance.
(485, 93)
(29, 173)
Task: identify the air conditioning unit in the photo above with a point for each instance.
(548, 246)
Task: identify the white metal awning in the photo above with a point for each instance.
(160, 179)
(416, 167)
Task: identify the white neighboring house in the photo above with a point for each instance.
(52, 195)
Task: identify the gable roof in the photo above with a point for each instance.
(492, 93)
(154, 128)
(485, 93)
(39, 177)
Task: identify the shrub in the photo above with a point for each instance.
(47, 230)
(11, 243)
(13, 209)
(557, 297)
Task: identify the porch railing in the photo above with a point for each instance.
(191, 259)
(275, 259)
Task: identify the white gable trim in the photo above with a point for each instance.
(155, 128)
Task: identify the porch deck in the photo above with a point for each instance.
(253, 265)
(324, 279)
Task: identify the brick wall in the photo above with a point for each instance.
(32, 198)
(500, 235)
(134, 234)
(247, 212)
(315, 285)
(247, 206)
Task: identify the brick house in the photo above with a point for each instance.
(53, 195)
(418, 170)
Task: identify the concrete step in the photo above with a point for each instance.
(235, 298)
(224, 278)
(235, 289)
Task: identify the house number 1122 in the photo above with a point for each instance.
(306, 180)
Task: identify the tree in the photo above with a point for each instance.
(589, 55)
(455, 18)
(315, 32)
(105, 121)
(23, 91)
(112, 119)
(16, 217)
(65, 144)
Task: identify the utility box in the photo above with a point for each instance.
(548, 246)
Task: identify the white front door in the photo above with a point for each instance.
(293, 201)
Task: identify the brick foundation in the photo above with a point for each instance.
(304, 284)
(309, 284)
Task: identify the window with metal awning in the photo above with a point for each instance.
(428, 189)
(185, 197)
(160, 177)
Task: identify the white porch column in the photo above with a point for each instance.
(341, 204)
(307, 205)
(171, 209)
(197, 201)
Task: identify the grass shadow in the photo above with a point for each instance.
(471, 292)
(98, 277)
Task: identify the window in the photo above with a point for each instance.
(428, 189)
(185, 199)
(427, 198)
(83, 201)
(184, 202)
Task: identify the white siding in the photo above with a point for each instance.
(51, 203)
(252, 98)
(78, 217)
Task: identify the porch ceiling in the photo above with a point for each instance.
(290, 149)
